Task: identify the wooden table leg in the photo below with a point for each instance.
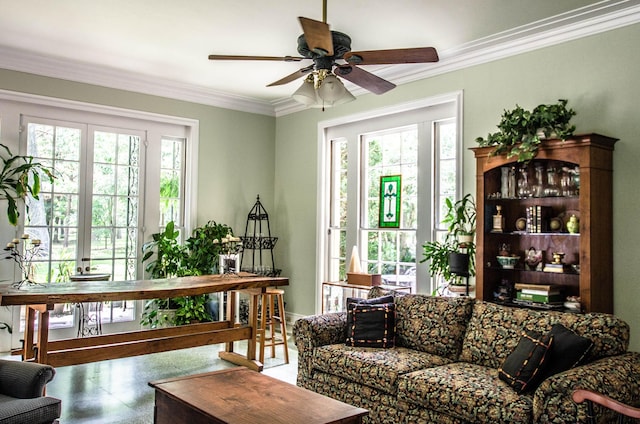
(231, 315)
(43, 333)
(249, 360)
(29, 329)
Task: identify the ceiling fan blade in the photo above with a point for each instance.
(297, 74)
(387, 57)
(275, 58)
(364, 79)
(318, 36)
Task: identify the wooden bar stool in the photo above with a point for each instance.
(271, 299)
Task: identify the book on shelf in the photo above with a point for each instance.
(538, 305)
(546, 288)
(537, 217)
(559, 268)
(540, 298)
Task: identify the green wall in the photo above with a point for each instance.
(598, 75)
(236, 152)
(243, 154)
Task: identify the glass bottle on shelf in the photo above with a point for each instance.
(523, 183)
(552, 188)
(538, 188)
(504, 182)
(512, 182)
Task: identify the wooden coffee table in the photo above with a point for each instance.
(243, 396)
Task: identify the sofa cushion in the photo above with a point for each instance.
(377, 368)
(371, 325)
(432, 324)
(568, 350)
(494, 331)
(35, 410)
(469, 392)
(523, 368)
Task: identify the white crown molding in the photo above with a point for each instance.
(18, 60)
(589, 20)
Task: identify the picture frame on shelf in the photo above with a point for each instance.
(229, 264)
(390, 201)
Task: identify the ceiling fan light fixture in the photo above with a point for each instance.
(331, 89)
(306, 94)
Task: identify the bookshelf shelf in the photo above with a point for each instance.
(589, 159)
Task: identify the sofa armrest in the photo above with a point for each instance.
(617, 377)
(317, 330)
(24, 380)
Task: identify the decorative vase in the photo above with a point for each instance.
(573, 225)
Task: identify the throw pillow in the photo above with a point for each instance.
(568, 350)
(370, 301)
(371, 325)
(522, 369)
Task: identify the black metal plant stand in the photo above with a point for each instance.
(258, 244)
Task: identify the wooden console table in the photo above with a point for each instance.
(41, 299)
(242, 396)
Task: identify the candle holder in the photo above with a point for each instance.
(23, 251)
(229, 258)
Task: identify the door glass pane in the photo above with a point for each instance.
(53, 218)
(114, 218)
(338, 211)
(390, 252)
(171, 171)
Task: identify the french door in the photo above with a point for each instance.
(87, 220)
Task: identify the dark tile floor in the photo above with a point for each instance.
(117, 391)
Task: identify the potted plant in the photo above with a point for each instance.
(19, 177)
(520, 131)
(453, 260)
(167, 258)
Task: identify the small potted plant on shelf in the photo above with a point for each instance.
(453, 260)
(520, 132)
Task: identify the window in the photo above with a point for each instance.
(421, 145)
(390, 251)
(110, 166)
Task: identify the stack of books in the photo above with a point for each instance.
(544, 296)
(538, 218)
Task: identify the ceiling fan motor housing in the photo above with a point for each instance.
(341, 45)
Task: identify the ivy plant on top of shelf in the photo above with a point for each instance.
(520, 131)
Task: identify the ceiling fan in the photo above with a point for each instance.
(331, 54)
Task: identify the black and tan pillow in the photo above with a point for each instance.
(568, 350)
(371, 325)
(523, 369)
(370, 301)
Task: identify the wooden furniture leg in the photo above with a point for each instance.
(43, 333)
(29, 329)
(228, 354)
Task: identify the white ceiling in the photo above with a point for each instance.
(161, 46)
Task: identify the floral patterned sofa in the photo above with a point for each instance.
(444, 366)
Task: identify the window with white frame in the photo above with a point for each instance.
(423, 147)
(108, 188)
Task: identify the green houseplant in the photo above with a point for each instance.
(166, 258)
(460, 218)
(520, 131)
(19, 177)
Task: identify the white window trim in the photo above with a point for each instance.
(323, 188)
(11, 133)
(193, 125)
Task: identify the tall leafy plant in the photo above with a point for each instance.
(19, 177)
(166, 258)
